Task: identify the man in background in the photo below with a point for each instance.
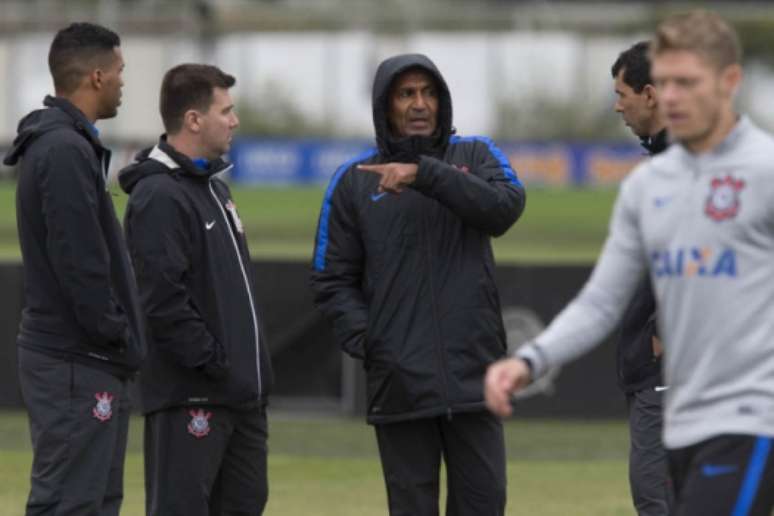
(206, 381)
(699, 216)
(80, 338)
(638, 347)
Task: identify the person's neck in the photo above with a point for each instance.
(84, 103)
(656, 128)
(186, 146)
(719, 132)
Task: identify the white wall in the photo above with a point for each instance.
(327, 76)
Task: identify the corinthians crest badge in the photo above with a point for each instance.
(200, 423)
(231, 207)
(103, 410)
(723, 200)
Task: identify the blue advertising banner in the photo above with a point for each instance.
(551, 164)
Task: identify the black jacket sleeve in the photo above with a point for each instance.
(337, 270)
(69, 193)
(158, 233)
(489, 197)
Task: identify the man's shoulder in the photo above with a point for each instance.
(63, 141)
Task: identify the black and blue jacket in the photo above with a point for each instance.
(638, 368)
(407, 280)
(205, 344)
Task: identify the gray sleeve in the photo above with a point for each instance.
(595, 312)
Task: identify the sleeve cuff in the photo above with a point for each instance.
(534, 357)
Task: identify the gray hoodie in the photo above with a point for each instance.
(704, 227)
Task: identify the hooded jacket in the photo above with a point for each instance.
(196, 285)
(407, 280)
(80, 293)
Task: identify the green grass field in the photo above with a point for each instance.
(328, 466)
(558, 226)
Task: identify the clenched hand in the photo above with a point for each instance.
(503, 378)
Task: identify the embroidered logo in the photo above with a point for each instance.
(103, 410)
(208, 225)
(723, 200)
(200, 423)
(463, 168)
(376, 197)
(231, 207)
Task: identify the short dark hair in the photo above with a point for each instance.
(189, 86)
(75, 52)
(635, 64)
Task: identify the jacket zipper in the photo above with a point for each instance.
(247, 285)
(439, 347)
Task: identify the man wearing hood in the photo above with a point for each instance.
(403, 269)
(205, 383)
(80, 338)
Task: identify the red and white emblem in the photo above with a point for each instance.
(103, 410)
(723, 200)
(200, 423)
(231, 207)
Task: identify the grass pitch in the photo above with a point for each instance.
(558, 226)
(329, 466)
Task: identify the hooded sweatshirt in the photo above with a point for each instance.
(205, 344)
(407, 280)
(80, 294)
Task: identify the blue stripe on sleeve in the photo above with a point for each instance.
(322, 234)
(752, 477)
(496, 152)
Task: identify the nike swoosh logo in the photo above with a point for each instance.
(713, 470)
(660, 202)
(208, 225)
(376, 197)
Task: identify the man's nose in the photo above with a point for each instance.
(420, 102)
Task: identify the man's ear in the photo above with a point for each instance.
(650, 96)
(731, 78)
(191, 121)
(95, 79)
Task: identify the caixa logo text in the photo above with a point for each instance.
(694, 261)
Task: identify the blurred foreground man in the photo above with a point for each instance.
(80, 338)
(403, 269)
(700, 217)
(639, 349)
(206, 380)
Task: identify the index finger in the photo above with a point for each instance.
(372, 168)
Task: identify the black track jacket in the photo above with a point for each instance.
(638, 369)
(407, 280)
(196, 285)
(80, 293)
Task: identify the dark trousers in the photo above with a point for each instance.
(730, 475)
(648, 470)
(473, 449)
(207, 460)
(79, 421)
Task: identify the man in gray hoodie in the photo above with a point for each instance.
(698, 216)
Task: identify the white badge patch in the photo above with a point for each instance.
(103, 410)
(231, 207)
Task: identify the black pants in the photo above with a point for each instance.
(208, 460)
(79, 420)
(730, 475)
(473, 448)
(648, 470)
